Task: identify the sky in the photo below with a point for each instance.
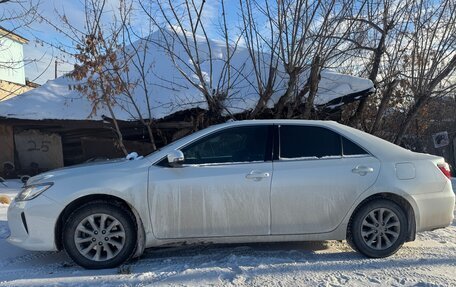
(43, 48)
(40, 57)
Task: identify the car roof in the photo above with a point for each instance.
(280, 121)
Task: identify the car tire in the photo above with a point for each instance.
(100, 234)
(378, 228)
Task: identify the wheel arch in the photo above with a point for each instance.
(110, 199)
(399, 200)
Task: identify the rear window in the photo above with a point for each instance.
(307, 142)
(350, 148)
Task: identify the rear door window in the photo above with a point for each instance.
(308, 142)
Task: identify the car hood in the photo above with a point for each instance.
(91, 167)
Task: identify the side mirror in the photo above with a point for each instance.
(175, 158)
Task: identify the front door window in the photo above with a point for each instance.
(233, 145)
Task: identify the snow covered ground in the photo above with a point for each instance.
(428, 261)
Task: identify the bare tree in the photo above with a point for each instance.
(98, 68)
(134, 53)
(380, 25)
(262, 44)
(113, 64)
(309, 34)
(431, 65)
(184, 27)
(407, 48)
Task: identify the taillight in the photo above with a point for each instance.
(445, 168)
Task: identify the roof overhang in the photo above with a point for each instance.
(13, 36)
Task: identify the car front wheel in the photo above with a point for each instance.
(378, 229)
(100, 235)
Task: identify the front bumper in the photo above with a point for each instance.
(435, 210)
(32, 223)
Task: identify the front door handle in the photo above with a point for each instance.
(362, 170)
(257, 175)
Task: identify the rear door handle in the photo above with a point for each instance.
(362, 170)
(257, 175)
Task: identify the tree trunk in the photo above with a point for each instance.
(313, 87)
(113, 116)
(151, 135)
(373, 77)
(117, 128)
(285, 98)
(265, 95)
(422, 100)
(261, 104)
(383, 104)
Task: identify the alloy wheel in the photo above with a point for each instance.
(99, 237)
(380, 228)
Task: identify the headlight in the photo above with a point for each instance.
(32, 191)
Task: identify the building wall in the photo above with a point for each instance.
(6, 146)
(11, 61)
(38, 150)
(9, 90)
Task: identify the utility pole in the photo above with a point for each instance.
(55, 70)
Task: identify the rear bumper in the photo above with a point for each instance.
(435, 210)
(32, 223)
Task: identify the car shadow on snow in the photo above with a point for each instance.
(263, 258)
(219, 262)
(228, 262)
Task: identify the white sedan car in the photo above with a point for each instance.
(247, 181)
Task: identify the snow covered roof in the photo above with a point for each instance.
(169, 91)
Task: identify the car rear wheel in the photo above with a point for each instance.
(100, 235)
(378, 229)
